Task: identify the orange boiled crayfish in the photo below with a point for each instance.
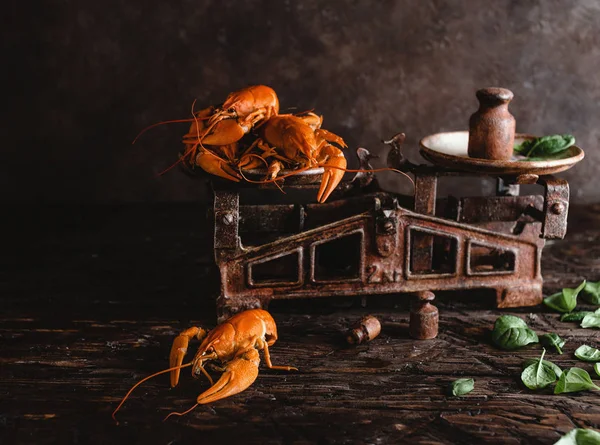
(300, 141)
(249, 107)
(213, 158)
(235, 344)
(226, 125)
(214, 141)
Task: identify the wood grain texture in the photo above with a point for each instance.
(92, 301)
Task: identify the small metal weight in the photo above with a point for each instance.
(424, 317)
(492, 127)
(365, 330)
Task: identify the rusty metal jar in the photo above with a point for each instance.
(492, 127)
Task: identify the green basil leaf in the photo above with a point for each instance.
(552, 340)
(560, 155)
(549, 145)
(574, 380)
(564, 301)
(574, 316)
(580, 436)
(538, 376)
(591, 321)
(511, 332)
(591, 292)
(460, 387)
(524, 147)
(597, 368)
(546, 363)
(587, 354)
(545, 146)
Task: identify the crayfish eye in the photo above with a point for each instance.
(231, 110)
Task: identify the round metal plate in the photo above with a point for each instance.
(450, 150)
(310, 176)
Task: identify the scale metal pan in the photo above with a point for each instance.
(450, 150)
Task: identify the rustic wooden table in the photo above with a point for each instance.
(92, 298)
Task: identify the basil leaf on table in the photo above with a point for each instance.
(460, 387)
(597, 368)
(545, 146)
(538, 376)
(511, 332)
(546, 363)
(587, 354)
(574, 316)
(591, 320)
(574, 380)
(565, 300)
(552, 340)
(591, 292)
(580, 436)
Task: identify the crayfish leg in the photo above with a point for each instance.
(179, 349)
(270, 365)
(239, 374)
(311, 119)
(330, 137)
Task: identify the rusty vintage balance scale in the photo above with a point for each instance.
(366, 241)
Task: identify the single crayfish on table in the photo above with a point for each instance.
(246, 132)
(233, 345)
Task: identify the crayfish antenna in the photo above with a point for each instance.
(376, 170)
(181, 414)
(181, 158)
(142, 381)
(174, 121)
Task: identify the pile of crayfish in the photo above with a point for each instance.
(247, 132)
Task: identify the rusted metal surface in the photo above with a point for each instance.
(492, 127)
(370, 243)
(365, 177)
(226, 214)
(556, 207)
(424, 317)
(364, 331)
(395, 157)
(425, 199)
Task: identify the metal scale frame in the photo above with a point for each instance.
(365, 241)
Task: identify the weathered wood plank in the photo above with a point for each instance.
(86, 312)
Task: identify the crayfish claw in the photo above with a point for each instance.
(213, 164)
(179, 348)
(251, 161)
(335, 167)
(239, 374)
(224, 132)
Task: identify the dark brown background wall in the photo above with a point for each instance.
(86, 76)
